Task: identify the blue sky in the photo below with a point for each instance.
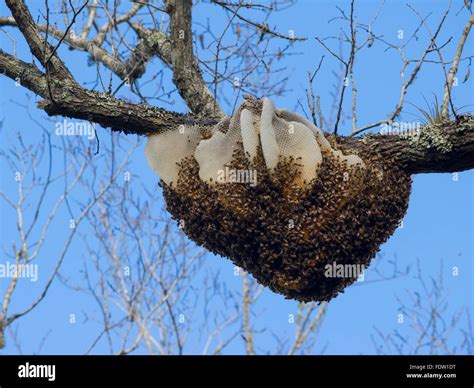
(438, 228)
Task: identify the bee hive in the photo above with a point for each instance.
(310, 206)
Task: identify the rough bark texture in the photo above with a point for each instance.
(445, 147)
(186, 74)
(175, 50)
(71, 100)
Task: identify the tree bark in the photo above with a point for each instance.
(186, 73)
(446, 147)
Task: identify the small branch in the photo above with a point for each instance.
(90, 20)
(40, 49)
(351, 74)
(152, 43)
(263, 27)
(431, 47)
(320, 113)
(74, 16)
(330, 51)
(99, 39)
(312, 104)
(348, 65)
(246, 302)
(454, 67)
(307, 326)
(438, 50)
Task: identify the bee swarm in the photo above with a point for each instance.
(286, 230)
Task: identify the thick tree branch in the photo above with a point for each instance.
(117, 114)
(26, 74)
(71, 100)
(446, 147)
(186, 73)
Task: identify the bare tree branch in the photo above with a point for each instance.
(186, 74)
(454, 67)
(262, 27)
(443, 147)
(42, 50)
(77, 102)
(406, 84)
(246, 305)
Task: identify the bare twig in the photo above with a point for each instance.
(412, 77)
(454, 68)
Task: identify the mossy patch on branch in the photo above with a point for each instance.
(430, 137)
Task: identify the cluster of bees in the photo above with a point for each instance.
(285, 234)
